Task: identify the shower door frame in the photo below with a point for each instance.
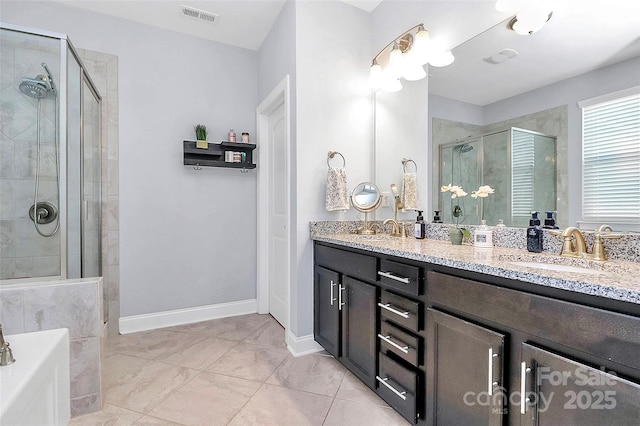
(65, 47)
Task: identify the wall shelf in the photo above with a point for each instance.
(213, 156)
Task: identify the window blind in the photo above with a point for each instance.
(522, 173)
(611, 160)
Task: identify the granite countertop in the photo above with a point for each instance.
(612, 279)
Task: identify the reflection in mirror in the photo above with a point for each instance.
(519, 164)
(523, 180)
(366, 198)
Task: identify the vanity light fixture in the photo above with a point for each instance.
(405, 58)
(530, 16)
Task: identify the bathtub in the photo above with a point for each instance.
(35, 390)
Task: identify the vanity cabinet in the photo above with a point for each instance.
(466, 365)
(345, 310)
(443, 346)
(503, 356)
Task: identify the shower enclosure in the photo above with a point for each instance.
(50, 159)
(519, 164)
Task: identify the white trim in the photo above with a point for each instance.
(609, 97)
(299, 346)
(279, 96)
(156, 320)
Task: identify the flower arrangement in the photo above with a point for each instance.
(456, 193)
(482, 193)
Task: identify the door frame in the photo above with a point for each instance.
(278, 97)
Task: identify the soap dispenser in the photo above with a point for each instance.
(534, 234)
(420, 229)
(550, 221)
(436, 217)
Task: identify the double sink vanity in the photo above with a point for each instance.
(456, 335)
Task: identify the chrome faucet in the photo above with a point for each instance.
(6, 356)
(568, 248)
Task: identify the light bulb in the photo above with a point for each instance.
(391, 85)
(421, 47)
(442, 59)
(531, 19)
(414, 72)
(395, 67)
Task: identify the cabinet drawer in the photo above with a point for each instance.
(398, 386)
(349, 263)
(401, 310)
(401, 276)
(404, 345)
(604, 334)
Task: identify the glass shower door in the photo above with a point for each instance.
(91, 181)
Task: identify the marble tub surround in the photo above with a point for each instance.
(618, 281)
(626, 248)
(73, 304)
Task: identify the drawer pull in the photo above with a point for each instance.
(402, 395)
(404, 349)
(340, 290)
(393, 277)
(390, 308)
(333, 299)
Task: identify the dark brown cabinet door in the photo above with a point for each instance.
(359, 329)
(465, 367)
(326, 318)
(555, 390)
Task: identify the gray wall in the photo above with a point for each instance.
(333, 113)
(187, 238)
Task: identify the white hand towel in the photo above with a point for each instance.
(409, 195)
(337, 198)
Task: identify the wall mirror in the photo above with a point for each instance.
(528, 91)
(401, 128)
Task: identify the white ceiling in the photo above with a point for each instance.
(582, 35)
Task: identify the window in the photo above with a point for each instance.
(611, 158)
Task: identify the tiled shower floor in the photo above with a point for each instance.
(234, 371)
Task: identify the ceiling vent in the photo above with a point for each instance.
(192, 12)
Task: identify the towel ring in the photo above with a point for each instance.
(408, 160)
(332, 154)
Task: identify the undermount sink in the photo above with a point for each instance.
(375, 237)
(555, 267)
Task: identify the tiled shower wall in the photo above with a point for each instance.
(23, 253)
(103, 69)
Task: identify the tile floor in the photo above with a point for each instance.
(230, 371)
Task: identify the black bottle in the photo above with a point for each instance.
(534, 234)
(550, 221)
(436, 217)
(420, 229)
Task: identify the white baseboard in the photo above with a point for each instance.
(156, 320)
(299, 346)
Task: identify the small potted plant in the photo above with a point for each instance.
(201, 136)
(456, 233)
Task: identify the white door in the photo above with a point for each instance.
(278, 220)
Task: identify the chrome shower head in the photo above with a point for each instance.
(465, 147)
(38, 87)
